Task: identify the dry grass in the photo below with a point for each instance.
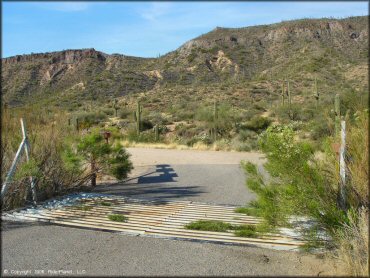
(217, 146)
(358, 150)
(353, 245)
(46, 133)
(353, 239)
(127, 144)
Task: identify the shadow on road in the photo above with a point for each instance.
(153, 185)
(166, 175)
(11, 225)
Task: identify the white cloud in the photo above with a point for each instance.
(156, 10)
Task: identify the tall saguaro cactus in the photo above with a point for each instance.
(282, 94)
(115, 106)
(289, 100)
(156, 132)
(316, 94)
(215, 111)
(215, 119)
(137, 114)
(337, 113)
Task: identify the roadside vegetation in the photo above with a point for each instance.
(82, 207)
(221, 226)
(62, 159)
(304, 182)
(117, 217)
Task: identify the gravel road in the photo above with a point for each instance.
(203, 176)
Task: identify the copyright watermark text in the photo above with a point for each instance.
(56, 272)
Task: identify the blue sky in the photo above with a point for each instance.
(143, 29)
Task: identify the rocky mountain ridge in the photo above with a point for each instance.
(293, 49)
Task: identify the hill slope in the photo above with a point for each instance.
(253, 59)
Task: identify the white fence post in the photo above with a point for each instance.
(342, 165)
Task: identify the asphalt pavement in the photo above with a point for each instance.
(202, 176)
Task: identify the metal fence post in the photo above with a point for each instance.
(10, 174)
(27, 151)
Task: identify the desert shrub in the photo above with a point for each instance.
(220, 226)
(354, 101)
(88, 119)
(302, 185)
(258, 123)
(353, 244)
(243, 145)
(145, 136)
(294, 113)
(209, 225)
(297, 187)
(158, 118)
(320, 129)
(118, 217)
(204, 113)
(146, 124)
(124, 113)
(46, 133)
(107, 111)
(246, 134)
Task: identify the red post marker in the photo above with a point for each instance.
(106, 136)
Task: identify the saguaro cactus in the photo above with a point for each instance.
(137, 114)
(337, 114)
(289, 100)
(215, 119)
(316, 94)
(215, 111)
(282, 94)
(289, 95)
(156, 132)
(115, 106)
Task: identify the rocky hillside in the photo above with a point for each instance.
(259, 57)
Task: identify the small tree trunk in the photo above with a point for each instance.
(93, 177)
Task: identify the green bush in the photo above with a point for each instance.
(209, 225)
(146, 124)
(108, 111)
(88, 119)
(144, 136)
(298, 185)
(258, 123)
(124, 113)
(117, 217)
(91, 149)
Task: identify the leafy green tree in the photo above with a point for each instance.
(90, 152)
(298, 184)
